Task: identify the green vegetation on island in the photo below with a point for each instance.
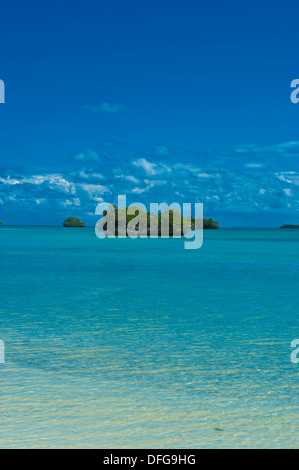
(73, 222)
(289, 226)
(154, 219)
(210, 224)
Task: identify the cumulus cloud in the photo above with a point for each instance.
(149, 168)
(94, 189)
(223, 182)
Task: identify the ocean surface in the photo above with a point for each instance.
(139, 343)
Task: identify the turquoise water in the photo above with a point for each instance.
(140, 343)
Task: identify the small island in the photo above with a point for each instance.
(73, 222)
(156, 219)
(289, 226)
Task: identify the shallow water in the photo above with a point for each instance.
(140, 343)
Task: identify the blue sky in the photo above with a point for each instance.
(185, 101)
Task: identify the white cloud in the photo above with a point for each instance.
(253, 165)
(89, 175)
(287, 191)
(130, 178)
(289, 177)
(224, 183)
(87, 155)
(105, 107)
(93, 189)
(148, 167)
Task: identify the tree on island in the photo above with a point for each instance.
(210, 224)
(73, 222)
(289, 226)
